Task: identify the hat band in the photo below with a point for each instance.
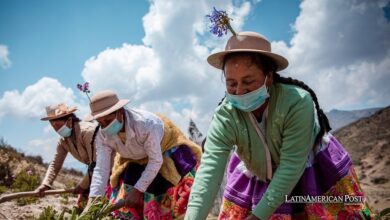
(103, 105)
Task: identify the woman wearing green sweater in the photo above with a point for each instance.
(282, 149)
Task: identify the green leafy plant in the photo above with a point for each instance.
(384, 214)
(64, 199)
(26, 180)
(99, 209)
(3, 189)
(48, 213)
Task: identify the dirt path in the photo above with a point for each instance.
(10, 210)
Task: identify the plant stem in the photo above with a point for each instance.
(231, 29)
(88, 97)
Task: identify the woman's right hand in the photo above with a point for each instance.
(41, 190)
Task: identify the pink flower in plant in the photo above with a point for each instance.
(29, 172)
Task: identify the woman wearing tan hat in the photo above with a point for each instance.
(282, 148)
(76, 138)
(154, 165)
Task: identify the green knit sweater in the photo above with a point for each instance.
(290, 133)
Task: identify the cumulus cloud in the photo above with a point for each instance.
(48, 145)
(342, 50)
(5, 62)
(169, 72)
(31, 102)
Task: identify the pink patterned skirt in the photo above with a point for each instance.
(162, 200)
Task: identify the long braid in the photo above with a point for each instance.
(323, 120)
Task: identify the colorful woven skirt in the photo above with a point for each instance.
(328, 172)
(162, 200)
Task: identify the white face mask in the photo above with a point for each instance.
(114, 127)
(250, 101)
(64, 131)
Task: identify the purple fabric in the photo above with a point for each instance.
(329, 166)
(184, 159)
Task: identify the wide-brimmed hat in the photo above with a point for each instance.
(58, 111)
(247, 42)
(103, 103)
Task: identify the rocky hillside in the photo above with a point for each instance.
(15, 168)
(368, 142)
(340, 118)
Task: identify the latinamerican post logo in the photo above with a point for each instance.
(346, 199)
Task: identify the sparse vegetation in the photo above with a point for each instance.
(27, 180)
(99, 210)
(48, 213)
(6, 178)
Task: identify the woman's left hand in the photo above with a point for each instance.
(133, 197)
(252, 217)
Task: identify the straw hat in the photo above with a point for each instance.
(247, 42)
(58, 111)
(103, 103)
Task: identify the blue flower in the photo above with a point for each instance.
(220, 23)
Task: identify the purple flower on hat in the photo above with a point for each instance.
(84, 88)
(220, 22)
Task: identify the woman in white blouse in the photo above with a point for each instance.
(154, 160)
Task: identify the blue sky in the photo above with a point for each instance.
(154, 52)
(55, 38)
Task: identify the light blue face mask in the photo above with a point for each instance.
(64, 131)
(250, 101)
(113, 128)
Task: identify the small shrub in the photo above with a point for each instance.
(64, 199)
(27, 180)
(3, 189)
(72, 171)
(384, 214)
(34, 159)
(5, 175)
(48, 213)
(25, 201)
(100, 209)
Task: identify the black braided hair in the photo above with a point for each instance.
(75, 118)
(269, 67)
(322, 119)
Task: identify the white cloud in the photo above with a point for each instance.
(31, 102)
(342, 50)
(5, 62)
(46, 147)
(169, 72)
(130, 70)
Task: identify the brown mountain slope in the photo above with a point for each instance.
(368, 143)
